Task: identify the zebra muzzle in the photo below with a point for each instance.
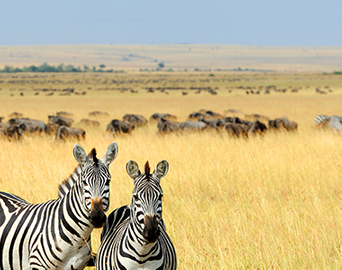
(151, 229)
(97, 216)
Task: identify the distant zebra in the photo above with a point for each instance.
(322, 120)
(134, 236)
(56, 234)
(333, 122)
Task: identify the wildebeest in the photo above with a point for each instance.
(98, 113)
(204, 114)
(237, 130)
(64, 114)
(167, 126)
(282, 123)
(135, 119)
(88, 122)
(257, 127)
(233, 112)
(65, 132)
(191, 125)
(60, 120)
(51, 129)
(237, 120)
(217, 123)
(256, 116)
(28, 125)
(15, 115)
(10, 132)
(319, 91)
(117, 126)
(157, 116)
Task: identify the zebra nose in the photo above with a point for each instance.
(151, 229)
(97, 216)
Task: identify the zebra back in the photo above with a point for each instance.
(321, 119)
(336, 123)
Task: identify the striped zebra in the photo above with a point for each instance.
(56, 234)
(333, 122)
(134, 236)
(322, 121)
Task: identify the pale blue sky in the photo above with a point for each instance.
(240, 22)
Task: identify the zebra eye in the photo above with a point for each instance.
(136, 198)
(160, 196)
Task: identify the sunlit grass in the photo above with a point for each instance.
(272, 202)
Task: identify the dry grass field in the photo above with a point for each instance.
(272, 202)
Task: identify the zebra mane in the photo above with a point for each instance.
(92, 155)
(147, 168)
(68, 183)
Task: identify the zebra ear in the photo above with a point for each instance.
(161, 169)
(80, 155)
(132, 169)
(111, 153)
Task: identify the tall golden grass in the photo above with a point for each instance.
(272, 202)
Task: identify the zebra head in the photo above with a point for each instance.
(95, 179)
(146, 204)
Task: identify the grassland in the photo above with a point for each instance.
(272, 202)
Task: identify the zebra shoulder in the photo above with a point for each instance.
(116, 218)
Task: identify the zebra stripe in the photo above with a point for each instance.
(134, 236)
(66, 185)
(321, 119)
(335, 123)
(56, 234)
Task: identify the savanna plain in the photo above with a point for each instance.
(266, 202)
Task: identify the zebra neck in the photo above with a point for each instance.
(73, 203)
(136, 244)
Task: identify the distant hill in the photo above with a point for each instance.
(177, 56)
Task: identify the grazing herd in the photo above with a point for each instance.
(236, 124)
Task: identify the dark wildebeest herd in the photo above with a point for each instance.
(59, 125)
(235, 125)
(232, 125)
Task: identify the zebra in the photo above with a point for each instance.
(134, 236)
(333, 122)
(322, 120)
(56, 234)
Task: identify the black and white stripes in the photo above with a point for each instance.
(134, 236)
(333, 122)
(56, 234)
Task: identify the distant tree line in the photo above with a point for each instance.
(60, 68)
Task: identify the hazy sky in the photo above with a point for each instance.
(241, 22)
